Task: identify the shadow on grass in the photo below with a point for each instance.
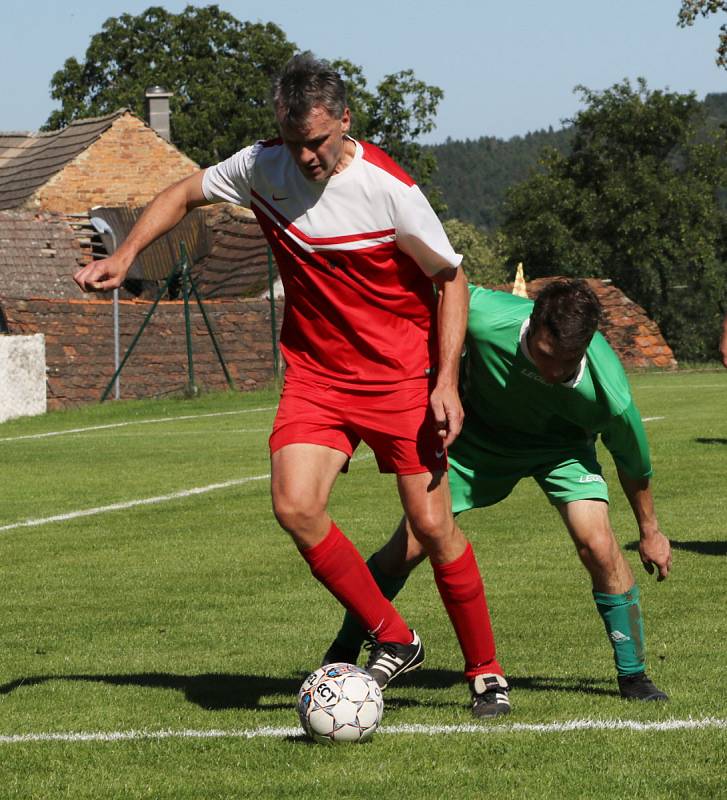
(440, 679)
(704, 548)
(710, 440)
(220, 691)
(211, 691)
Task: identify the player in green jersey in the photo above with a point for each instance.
(541, 384)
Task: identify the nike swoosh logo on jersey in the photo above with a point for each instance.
(280, 198)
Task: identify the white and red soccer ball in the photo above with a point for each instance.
(340, 703)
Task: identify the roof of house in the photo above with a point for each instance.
(237, 263)
(38, 255)
(29, 160)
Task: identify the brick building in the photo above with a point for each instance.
(49, 184)
(115, 160)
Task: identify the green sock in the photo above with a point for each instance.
(352, 635)
(621, 614)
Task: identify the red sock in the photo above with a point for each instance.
(463, 593)
(337, 564)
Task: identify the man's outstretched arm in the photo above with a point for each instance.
(723, 342)
(166, 210)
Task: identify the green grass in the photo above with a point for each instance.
(197, 614)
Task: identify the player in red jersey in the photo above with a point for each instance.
(372, 352)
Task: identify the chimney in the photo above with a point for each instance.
(157, 110)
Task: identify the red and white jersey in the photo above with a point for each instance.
(355, 255)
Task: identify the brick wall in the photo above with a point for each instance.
(80, 350)
(127, 166)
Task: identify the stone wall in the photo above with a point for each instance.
(80, 348)
(22, 376)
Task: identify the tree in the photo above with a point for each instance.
(483, 259)
(220, 70)
(634, 201)
(688, 13)
(402, 109)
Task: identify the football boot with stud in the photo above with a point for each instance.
(389, 660)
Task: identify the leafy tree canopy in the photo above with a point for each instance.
(692, 8)
(483, 256)
(635, 200)
(220, 70)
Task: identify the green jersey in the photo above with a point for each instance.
(512, 409)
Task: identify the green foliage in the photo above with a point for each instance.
(688, 13)
(483, 258)
(473, 175)
(220, 70)
(635, 201)
(401, 110)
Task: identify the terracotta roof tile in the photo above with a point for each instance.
(38, 255)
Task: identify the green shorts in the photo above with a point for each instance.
(481, 476)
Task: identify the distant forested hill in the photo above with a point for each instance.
(473, 175)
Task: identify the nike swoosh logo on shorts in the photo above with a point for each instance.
(280, 198)
(439, 453)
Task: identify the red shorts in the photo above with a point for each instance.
(397, 424)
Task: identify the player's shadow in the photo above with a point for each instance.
(441, 679)
(222, 691)
(704, 548)
(710, 440)
(211, 691)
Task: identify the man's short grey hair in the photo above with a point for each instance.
(304, 83)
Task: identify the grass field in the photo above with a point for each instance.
(154, 649)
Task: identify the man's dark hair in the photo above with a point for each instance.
(569, 310)
(304, 83)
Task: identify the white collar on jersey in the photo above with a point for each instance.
(574, 381)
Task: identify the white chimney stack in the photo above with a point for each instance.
(157, 110)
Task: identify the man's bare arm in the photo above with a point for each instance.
(723, 342)
(166, 210)
(654, 547)
(452, 322)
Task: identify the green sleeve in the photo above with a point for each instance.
(625, 439)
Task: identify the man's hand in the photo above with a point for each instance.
(101, 276)
(448, 412)
(655, 551)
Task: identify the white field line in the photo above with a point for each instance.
(144, 501)
(94, 428)
(187, 434)
(134, 422)
(421, 730)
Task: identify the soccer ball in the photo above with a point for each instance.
(340, 703)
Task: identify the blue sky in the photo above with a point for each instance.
(506, 67)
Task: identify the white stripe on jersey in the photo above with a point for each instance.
(371, 202)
